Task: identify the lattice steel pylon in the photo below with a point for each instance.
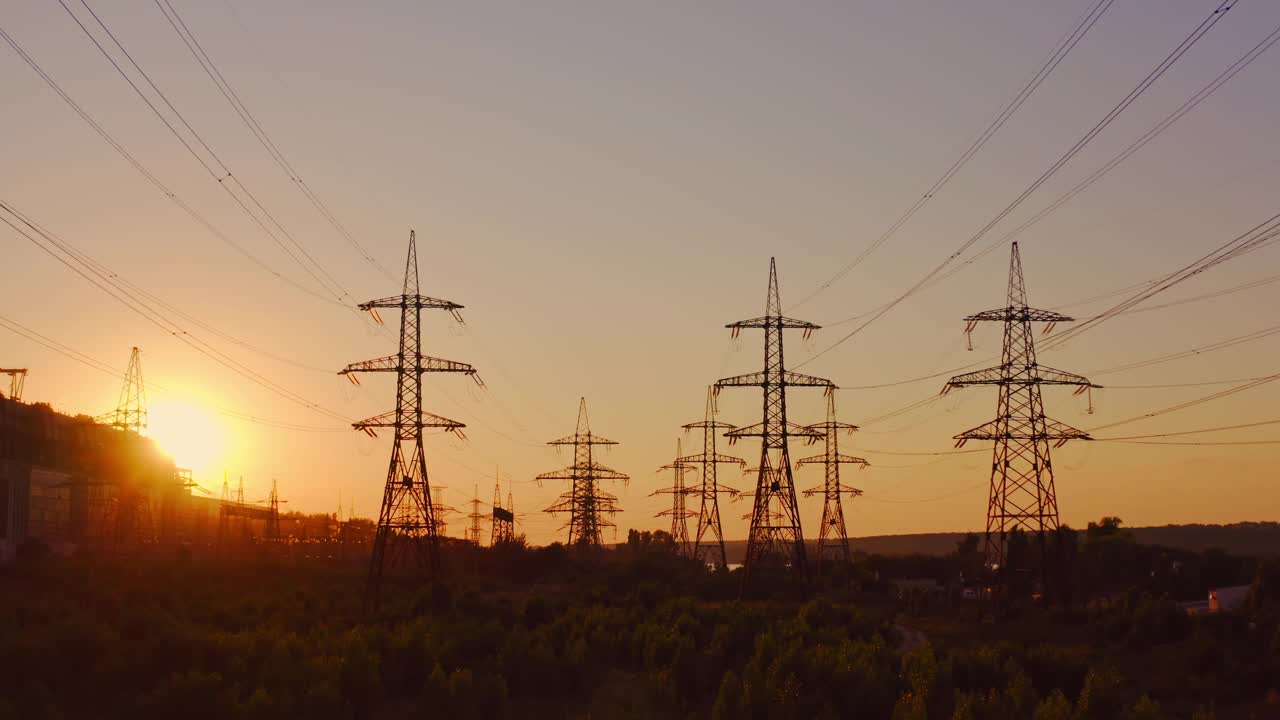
(407, 526)
(440, 511)
(476, 517)
(710, 489)
(1022, 491)
(679, 492)
(504, 518)
(224, 517)
(271, 530)
(585, 502)
(17, 379)
(131, 411)
(833, 537)
(775, 517)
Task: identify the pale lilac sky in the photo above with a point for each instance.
(602, 185)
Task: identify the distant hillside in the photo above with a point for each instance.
(1237, 538)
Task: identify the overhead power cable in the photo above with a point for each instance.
(71, 353)
(1191, 403)
(1201, 350)
(222, 174)
(1060, 51)
(1155, 131)
(251, 122)
(121, 150)
(1160, 69)
(1199, 443)
(124, 296)
(1165, 386)
(1201, 431)
(99, 267)
(1261, 235)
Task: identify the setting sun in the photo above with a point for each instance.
(190, 434)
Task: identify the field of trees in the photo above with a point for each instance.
(634, 632)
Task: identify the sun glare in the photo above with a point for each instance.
(190, 434)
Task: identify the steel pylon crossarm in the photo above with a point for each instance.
(775, 321)
(595, 469)
(839, 458)
(1046, 429)
(762, 429)
(1019, 314)
(713, 458)
(1025, 375)
(423, 420)
(423, 364)
(411, 302)
(759, 379)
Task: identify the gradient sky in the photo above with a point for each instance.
(602, 185)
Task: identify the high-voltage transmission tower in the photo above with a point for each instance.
(131, 411)
(17, 378)
(439, 510)
(679, 492)
(585, 502)
(504, 517)
(708, 529)
(407, 527)
(272, 529)
(476, 517)
(775, 516)
(833, 538)
(1022, 494)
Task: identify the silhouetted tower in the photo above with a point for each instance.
(585, 502)
(272, 529)
(775, 517)
(476, 517)
(679, 492)
(440, 511)
(17, 379)
(131, 411)
(710, 489)
(246, 531)
(407, 531)
(504, 518)
(833, 538)
(224, 515)
(1022, 491)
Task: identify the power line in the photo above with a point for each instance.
(1224, 442)
(1203, 349)
(1150, 361)
(122, 295)
(1207, 296)
(948, 496)
(1255, 238)
(247, 117)
(1180, 385)
(45, 341)
(1192, 403)
(220, 176)
(873, 451)
(1220, 428)
(1151, 134)
(1064, 46)
(151, 177)
(102, 269)
(1071, 152)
